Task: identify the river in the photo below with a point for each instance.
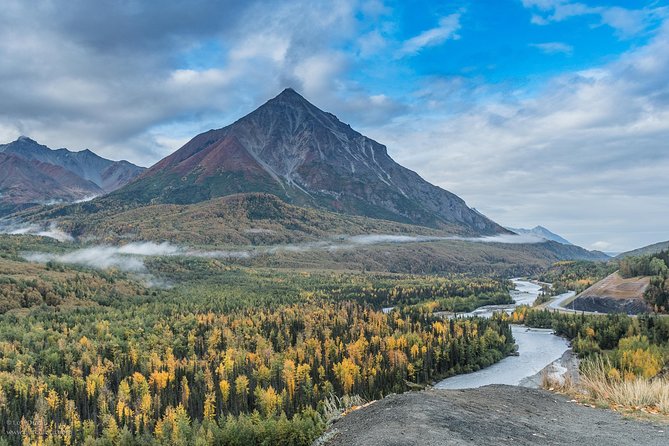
(536, 347)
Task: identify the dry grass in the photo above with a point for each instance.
(563, 384)
(335, 407)
(599, 387)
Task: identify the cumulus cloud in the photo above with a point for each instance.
(587, 154)
(123, 79)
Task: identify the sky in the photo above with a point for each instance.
(536, 112)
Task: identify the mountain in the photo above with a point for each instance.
(289, 184)
(31, 173)
(542, 232)
(108, 175)
(650, 249)
(307, 157)
(24, 182)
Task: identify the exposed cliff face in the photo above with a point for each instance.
(290, 148)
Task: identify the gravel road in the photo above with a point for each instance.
(491, 415)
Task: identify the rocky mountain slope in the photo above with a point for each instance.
(32, 173)
(24, 182)
(290, 148)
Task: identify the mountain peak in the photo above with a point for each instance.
(289, 92)
(25, 141)
(290, 148)
(290, 96)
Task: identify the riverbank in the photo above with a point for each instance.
(537, 348)
(564, 368)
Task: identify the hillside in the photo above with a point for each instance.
(435, 257)
(491, 415)
(240, 219)
(32, 174)
(650, 249)
(614, 294)
(277, 234)
(291, 149)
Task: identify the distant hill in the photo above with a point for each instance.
(276, 234)
(650, 249)
(31, 173)
(542, 232)
(307, 157)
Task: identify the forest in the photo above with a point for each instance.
(630, 346)
(223, 354)
(579, 275)
(576, 275)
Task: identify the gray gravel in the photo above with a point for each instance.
(491, 415)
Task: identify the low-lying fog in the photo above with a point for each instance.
(130, 257)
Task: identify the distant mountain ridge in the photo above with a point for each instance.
(32, 173)
(291, 149)
(543, 233)
(650, 249)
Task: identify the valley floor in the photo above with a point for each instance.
(490, 415)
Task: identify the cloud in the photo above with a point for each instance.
(51, 231)
(447, 30)
(627, 22)
(121, 80)
(375, 239)
(601, 246)
(586, 154)
(127, 257)
(554, 48)
(509, 239)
